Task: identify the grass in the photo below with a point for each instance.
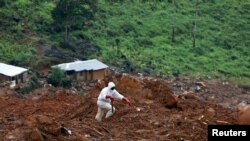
(144, 33)
(141, 33)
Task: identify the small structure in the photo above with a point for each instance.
(85, 70)
(12, 74)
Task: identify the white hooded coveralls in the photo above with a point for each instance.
(104, 103)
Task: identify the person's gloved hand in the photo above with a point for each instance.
(126, 100)
(110, 97)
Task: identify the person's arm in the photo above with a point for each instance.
(119, 96)
(105, 95)
(125, 99)
(109, 97)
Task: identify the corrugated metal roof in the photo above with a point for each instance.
(9, 70)
(93, 64)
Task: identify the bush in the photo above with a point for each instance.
(17, 53)
(59, 78)
(31, 85)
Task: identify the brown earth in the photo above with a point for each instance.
(160, 110)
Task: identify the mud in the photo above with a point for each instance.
(159, 111)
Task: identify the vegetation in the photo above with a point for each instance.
(161, 37)
(58, 78)
(16, 53)
(73, 14)
(31, 85)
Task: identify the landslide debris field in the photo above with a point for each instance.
(177, 110)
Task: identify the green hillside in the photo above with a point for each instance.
(160, 37)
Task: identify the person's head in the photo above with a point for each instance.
(111, 85)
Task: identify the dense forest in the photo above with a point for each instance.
(157, 37)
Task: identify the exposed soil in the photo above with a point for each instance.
(175, 110)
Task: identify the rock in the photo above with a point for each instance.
(36, 135)
(44, 124)
(92, 84)
(44, 120)
(96, 139)
(211, 112)
(189, 95)
(87, 135)
(197, 88)
(10, 137)
(157, 123)
(225, 104)
(225, 83)
(211, 98)
(13, 135)
(31, 121)
(54, 130)
(244, 113)
(138, 109)
(149, 95)
(80, 137)
(172, 103)
(163, 92)
(65, 131)
(208, 78)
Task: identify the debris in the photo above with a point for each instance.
(36, 135)
(93, 129)
(65, 131)
(225, 83)
(188, 95)
(138, 109)
(87, 135)
(200, 84)
(4, 130)
(211, 98)
(220, 121)
(157, 124)
(148, 114)
(211, 112)
(244, 113)
(201, 117)
(105, 129)
(197, 88)
(204, 123)
(79, 137)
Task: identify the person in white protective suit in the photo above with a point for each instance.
(107, 95)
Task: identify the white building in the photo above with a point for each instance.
(13, 74)
(84, 70)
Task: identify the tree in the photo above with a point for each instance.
(58, 77)
(73, 13)
(4, 3)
